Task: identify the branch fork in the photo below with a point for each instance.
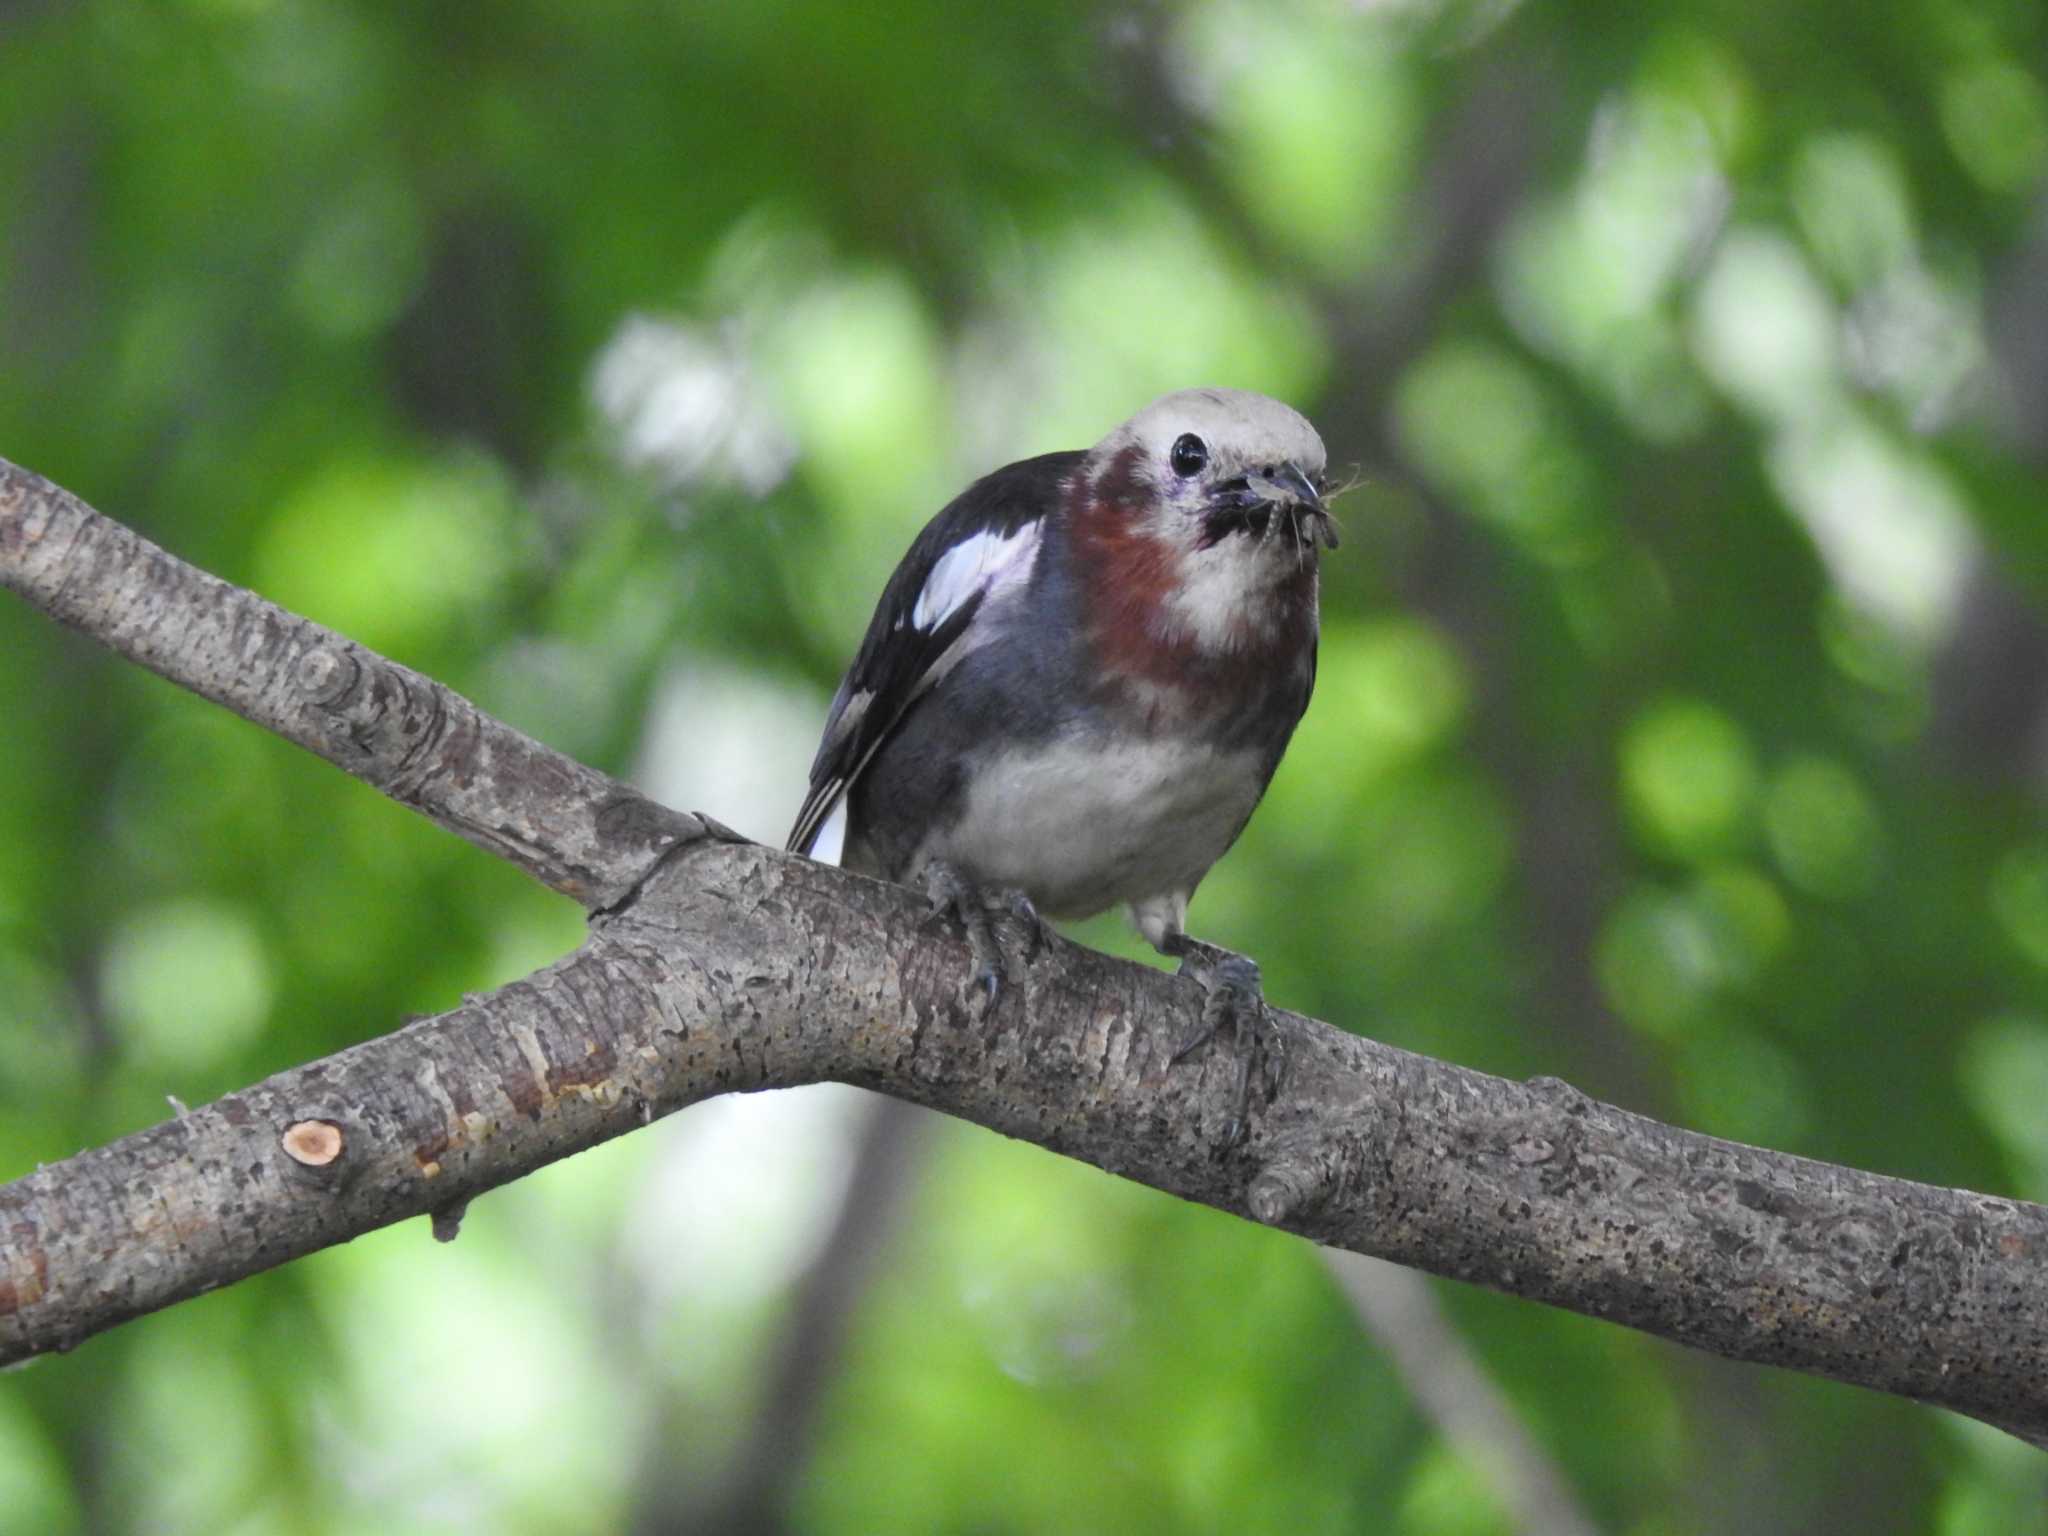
(715, 966)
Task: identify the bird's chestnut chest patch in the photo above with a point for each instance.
(1167, 607)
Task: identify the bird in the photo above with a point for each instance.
(1077, 685)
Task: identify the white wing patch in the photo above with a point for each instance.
(986, 562)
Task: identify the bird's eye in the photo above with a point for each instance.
(1190, 455)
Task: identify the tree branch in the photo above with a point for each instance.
(572, 828)
(751, 1494)
(1399, 1309)
(732, 967)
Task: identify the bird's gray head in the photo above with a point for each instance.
(1220, 465)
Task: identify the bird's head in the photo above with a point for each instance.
(1203, 516)
(1207, 468)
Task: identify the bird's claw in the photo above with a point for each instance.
(981, 914)
(1234, 1000)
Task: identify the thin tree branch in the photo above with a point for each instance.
(732, 967)
(570, 827)
(752, 1494)
(1443, 1375)
(806, 1361)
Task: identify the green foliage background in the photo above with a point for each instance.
(1681, 730)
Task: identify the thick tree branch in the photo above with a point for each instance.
(732, 967)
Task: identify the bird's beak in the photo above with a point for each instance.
(1286, 486)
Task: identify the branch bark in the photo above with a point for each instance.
(714, 966)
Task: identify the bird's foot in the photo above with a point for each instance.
(1001, 926)
(1234, 1002)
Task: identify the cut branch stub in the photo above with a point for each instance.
(313, 1143)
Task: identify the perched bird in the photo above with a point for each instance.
(1078, 684)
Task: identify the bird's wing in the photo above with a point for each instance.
(984, 542)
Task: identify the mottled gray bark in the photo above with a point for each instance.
(732, 967)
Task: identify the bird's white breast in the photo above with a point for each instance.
(1081, 823)
(1226, 595)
